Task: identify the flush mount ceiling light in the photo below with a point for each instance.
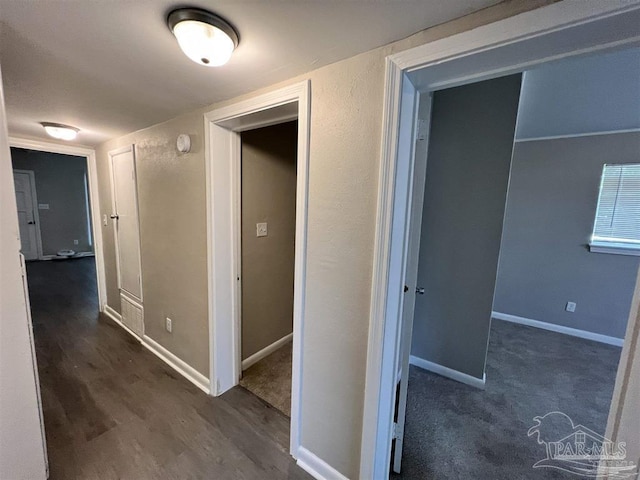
(204, 37)
(60, 131)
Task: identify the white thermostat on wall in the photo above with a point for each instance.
(183, 144)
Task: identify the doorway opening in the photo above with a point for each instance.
(518, 324)
(58, 206)
(54, 218)
(412, 77)
(54, 212)
(224, 131)
(58, 212)
(267, 253)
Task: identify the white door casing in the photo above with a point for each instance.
(28, 220)
(125, 221)
(222, 147)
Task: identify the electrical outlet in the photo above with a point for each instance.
(168, 325)
(75, 242)
(261, 229)
(571, 307)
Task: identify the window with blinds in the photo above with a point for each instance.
(617, 224)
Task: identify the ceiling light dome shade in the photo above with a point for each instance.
(60, 131)
(203, 37)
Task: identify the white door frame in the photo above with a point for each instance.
(222, 154)
(36, 214)
(550, 33)
(94, 198)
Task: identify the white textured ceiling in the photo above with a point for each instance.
(111, 67)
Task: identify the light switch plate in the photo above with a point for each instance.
(43, 206)
(261, 229)
(105, 221)
(571, 307)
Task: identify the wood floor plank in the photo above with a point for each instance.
(112, 410)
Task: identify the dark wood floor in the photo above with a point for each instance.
(113, 410)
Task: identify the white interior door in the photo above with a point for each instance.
(411, 275)
(27, 219)
(125, 218)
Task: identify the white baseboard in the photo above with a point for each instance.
(256, 357)
(116, 317)
(449, 372)
(574, 332)
(316, 467)
(179, 365)
(111, 313)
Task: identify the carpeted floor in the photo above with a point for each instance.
(454, 431)
(270, 379)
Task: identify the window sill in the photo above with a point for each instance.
(614, 248)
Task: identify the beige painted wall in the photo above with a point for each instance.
(346, 120)
(21, 441)
(173, 238)
(268, 195)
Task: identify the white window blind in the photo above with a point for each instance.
(617, 222)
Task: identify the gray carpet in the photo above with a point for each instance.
(454, 431)
(270, 379)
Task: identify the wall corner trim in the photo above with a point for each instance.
(552, 327)
(449, 372)
(316, 467)
(179, 365)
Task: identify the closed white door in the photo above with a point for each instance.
(25, 191)
(125, 218)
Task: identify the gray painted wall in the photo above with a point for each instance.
(268, 195)
(544, 261)
(60, 183)
(470, 146)
(584, 95)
